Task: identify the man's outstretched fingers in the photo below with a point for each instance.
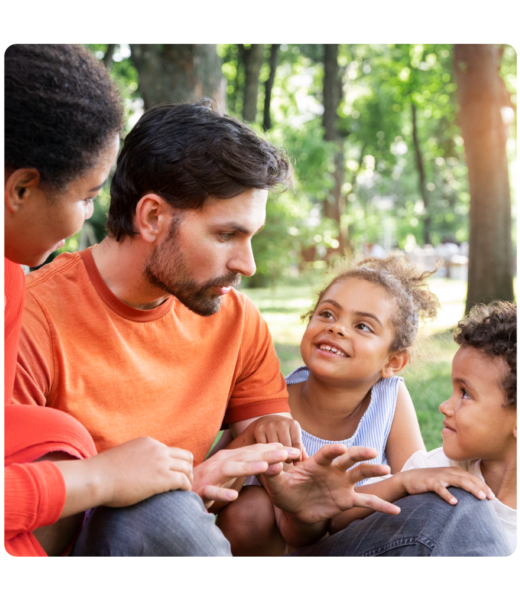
(215, 493)
(232, 470)
(274, 469)
(328, 453)
(354, 455)
(375, 503)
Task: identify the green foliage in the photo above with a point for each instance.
(380, 82)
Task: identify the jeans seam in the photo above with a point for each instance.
(406, 541)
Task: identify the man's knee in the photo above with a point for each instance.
(170, 524)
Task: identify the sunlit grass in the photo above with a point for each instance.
(428, 376)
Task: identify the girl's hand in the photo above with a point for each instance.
(420, 481)
(278, 429)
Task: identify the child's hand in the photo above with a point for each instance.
(420, 481)
(276, 428)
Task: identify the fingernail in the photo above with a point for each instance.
(453, 501)
(491, 496)
(230, 495)
(293, 452)
(279, 455)
(259, 465)
(481, 495)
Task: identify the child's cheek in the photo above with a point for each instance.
(305, 345)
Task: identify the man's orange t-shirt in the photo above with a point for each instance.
(124, 373)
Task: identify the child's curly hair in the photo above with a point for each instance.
(492, 329)
(403, 281)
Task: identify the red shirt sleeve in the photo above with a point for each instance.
(34, 496)
(14, 297)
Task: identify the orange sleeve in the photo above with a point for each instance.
(260, 388)
(14, 296)
(34, 375)
(34, 496)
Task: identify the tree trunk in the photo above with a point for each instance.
(170, 73)
(273, 58)
(422, 177)
(253, 59)
(109, 56)
(333, 206)
(479, 90)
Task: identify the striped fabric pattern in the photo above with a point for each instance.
(373, 428)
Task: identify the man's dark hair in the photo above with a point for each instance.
(61, 110)
(186, 153)
(492, 329)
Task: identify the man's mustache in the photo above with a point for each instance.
(232, 279)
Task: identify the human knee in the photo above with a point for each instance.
(170, 524)
(185, 524)
(251, 513)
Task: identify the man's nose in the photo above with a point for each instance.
(243, 262)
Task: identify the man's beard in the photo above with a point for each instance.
(167, 270)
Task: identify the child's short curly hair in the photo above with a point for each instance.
(492, 329)
(401, 280)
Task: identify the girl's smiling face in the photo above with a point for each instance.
(350, 333)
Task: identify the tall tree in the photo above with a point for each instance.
(253, 58)
(332, 92)
(422, 176)
(481, 98)
(179, 72)
(269, 82)
(109, 56)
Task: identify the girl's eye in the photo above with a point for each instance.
(326, 314)
(465, 393)
(87, 201)
(364, 327)
(225, 237)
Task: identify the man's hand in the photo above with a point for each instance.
(214, 476)
(420, 481)
(277, 428)
(319, 488)
(125, 474)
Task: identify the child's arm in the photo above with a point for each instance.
(405, 437)
(414, 481)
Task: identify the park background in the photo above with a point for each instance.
(396, 148)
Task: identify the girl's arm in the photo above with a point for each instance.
(405, 437)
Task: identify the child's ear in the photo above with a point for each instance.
(396, 362)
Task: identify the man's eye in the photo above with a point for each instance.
(225, 237)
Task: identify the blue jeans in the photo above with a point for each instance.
(170, 524)
(176, 524)
(426, 526)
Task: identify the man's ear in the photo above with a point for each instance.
(19, 187)
(396, 362)
(152, 217)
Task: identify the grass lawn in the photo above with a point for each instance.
(427, 377)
